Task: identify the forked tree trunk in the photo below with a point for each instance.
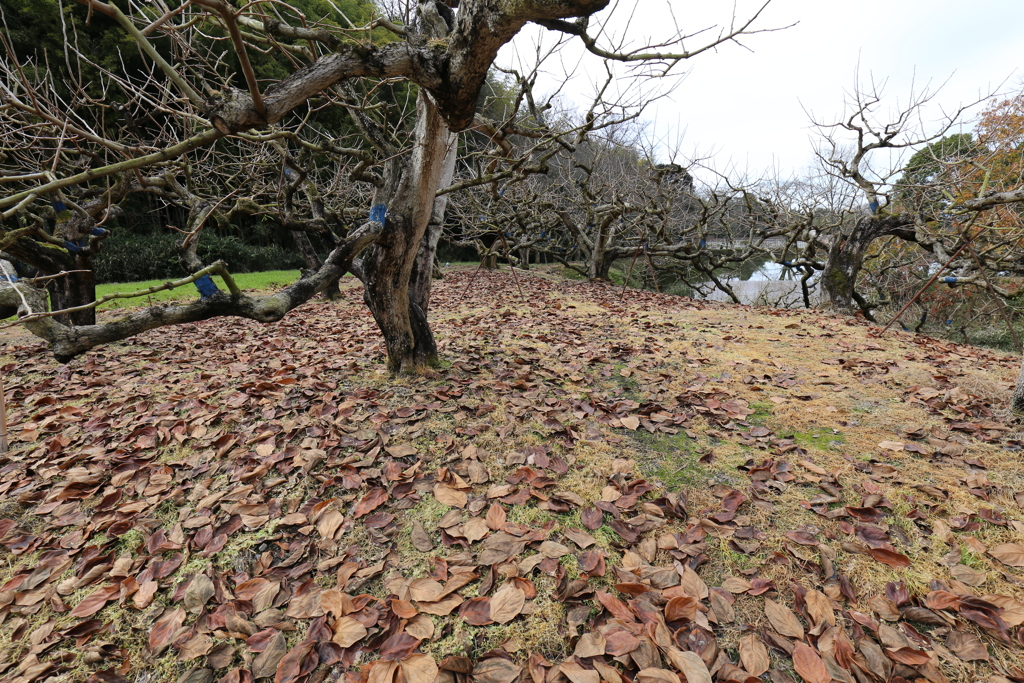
(390, 265)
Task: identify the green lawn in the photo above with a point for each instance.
(247, 281)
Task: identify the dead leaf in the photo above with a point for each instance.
(199, 591)
(655, 675)
(95, 601)
(590, 645)
(425, 590)
(265, 664)
(783, 619)
(348, 632)
(970, 576)
(507, 603)
(809, 664)
(420, 539)
(475, 529)
(890, 557)
(690, 664)
(373, 499)
(967, 646)
(495, 670)
(165, 629)
(1011, 554)
(420, 627)
(819, 607)
(753, 655)
(419, 668)
(476, 611)
(577, 674)
(446, 495)
(398, 647)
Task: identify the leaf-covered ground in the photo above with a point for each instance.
(599, 486)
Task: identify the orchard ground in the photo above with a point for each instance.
(598, 485)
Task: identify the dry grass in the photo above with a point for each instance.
(653, 349)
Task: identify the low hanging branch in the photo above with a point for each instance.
(67, 342)
(218, 268)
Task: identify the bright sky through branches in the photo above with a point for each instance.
(750, 106)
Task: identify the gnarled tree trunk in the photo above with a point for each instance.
(846, 258)
(390, 265)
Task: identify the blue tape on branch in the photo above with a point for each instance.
(703, 243)
(788, 264)
(949, 280)
(97, 232)
(379, 213)
(72, 246)
(59, 206)
(9, 278)
(874, 207)
(206, 286)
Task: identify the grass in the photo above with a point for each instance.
(672, 459)
(246, 281)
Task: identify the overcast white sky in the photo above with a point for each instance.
(748, 105)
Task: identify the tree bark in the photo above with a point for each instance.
(846, 258)
(489, 261)
(600, 262)
(426, 261)
(75, 289)
(389, 267)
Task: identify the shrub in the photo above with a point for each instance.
(129, 257)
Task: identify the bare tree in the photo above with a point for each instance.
(447, 56)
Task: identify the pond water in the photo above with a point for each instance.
(770, 284)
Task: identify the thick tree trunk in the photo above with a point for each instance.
(846, 258)
(600, 262)
(389, 267)
(489, 261)
(844, 262)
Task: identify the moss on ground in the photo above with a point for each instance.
(672, 459)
